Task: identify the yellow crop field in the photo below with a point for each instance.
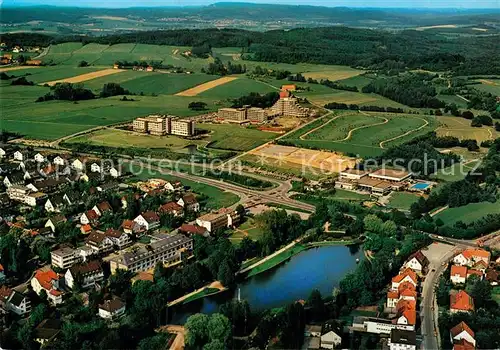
(84, 77)
(7, 69)
(205, 86)
(460, 127)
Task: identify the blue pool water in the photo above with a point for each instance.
(420, 186)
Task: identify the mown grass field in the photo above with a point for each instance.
(363, 134)
(460, 127)
(222, 136)
(468, 213)
(334, 73)
(402, 200)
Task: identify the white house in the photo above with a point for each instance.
(471, 256)
(20, 155)
(48, 281)
(402, 340)
(173, 186)
(407, 275)
(89, 217)
(54, 204)
(54, 221)
(119, 238)
(64, 257)
(18, 303)
(99, 242)
(189, 202)
(40, 158)
(101, 208)
(115, 171)
(462, 332)
(149, 220)
(95, 168)
(458, 274)
(331, 336)
(3, 152)
(88, 274)
(417, 262)
(59, 161)
(78, 164)
(112, 309)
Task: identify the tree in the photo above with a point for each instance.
(479, 290)
(214, 345)
(112, 89)
(219, 328)
(225, 274)
(238, 312)
(197, 106)
(197, 330)
(240, 210)
(317, 305)
(467, 115)
(119, 283)
(83, 64)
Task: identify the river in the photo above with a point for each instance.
(321, 268)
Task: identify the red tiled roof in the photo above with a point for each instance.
(111, 232)
(458, 270)
(407, 289)
(459, 328)
(407, 272)
(86, 228)
(5, 292)
(189, 198)
(104, 207)
(408, 309)
(492, 275)
(471, 272)
(393, 294)
(170, 207)
(91, 215)
(128, 224)
(45, 278)
(476, 253)
(461, 301)
(1, 267)
(193, 229)
(150, 216)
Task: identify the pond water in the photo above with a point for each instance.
(319, 268)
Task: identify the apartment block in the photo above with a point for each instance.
(236, 114)
(181, 127)
(289, 107)
(162, 125)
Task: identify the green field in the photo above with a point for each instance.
(237, 138)
(237, 88)
(363, 134)
(468, 213)
(402, 200)
(247, 229)
(44, 74)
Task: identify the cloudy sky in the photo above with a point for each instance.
(330, 3)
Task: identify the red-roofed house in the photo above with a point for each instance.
(149, 220)
(193, 230)
(406, 312)
(47, 280)
(471, 256)
(171, 208)
(472, 272)
(461, 302)
(406, 291)
(89, 217)
(101, 208)
(458, 274)
(462, 332)
(492, 276)
(408, 275)
(86, 229)
(189, 202)
(130, 226)
(463, 345)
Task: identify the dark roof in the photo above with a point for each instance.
(331, 326)
(16, 177)
(86, 269)
(16, 298)
(8, 167)
(49, 183)
(400, 336)
(104, 206)
(114, 233)
(96, 237)
(193, 229)
(150, 216)
(189, 198)
(57, 200)
(108, 185)
(422, 259)
(57, 219)
(112, 305)
(170, 207)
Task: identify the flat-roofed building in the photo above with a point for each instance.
(374, 186)
(256, 114)
(144, 257)
(289, 107)
(64, 258)
(237, 114)
(353, 174)
(393, 175)
(181, 127)
(221, 219)
(162, 125)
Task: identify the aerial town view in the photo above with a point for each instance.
(250, 175)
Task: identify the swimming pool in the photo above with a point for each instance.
(420, 186)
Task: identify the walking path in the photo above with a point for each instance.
(381, 144)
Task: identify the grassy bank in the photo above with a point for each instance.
(202, 294)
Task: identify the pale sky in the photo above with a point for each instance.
(329, 3)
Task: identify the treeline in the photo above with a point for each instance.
(77, 92)
(414, 90)
(329, 45)
(219, 68)
(354, 107)
(255, 99)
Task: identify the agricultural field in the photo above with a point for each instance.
(84, 77)
(197, 90)
(468, 213)
(40, 75)
(460, 127)
(334, 73)
(489, 85)
(237, 88)
(362, 133)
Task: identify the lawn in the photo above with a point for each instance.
(334, 73)
(276, 260)
(349, 196)
(402, 200)
(247, 229)
(237, 138)
(168, 84)
(203, 293)
(468, 213)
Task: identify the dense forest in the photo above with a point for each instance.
(366, 48)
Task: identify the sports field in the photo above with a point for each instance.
(361, 133)
(468, 213)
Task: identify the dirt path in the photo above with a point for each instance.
(381, 144)
(84, 77)
(349, 134)
(302, 137)
(205, 86)
(438, 211)
(463, 98)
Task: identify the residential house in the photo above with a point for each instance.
(406, 313)
(101, 208)
(408, 275)
(79, 164)
(54, 204)
(107, 187)
(173, 186)
(119, 238)
(4, 151)
(89, 217)
(492, 276)
(461, 302)
(193, 230)
(112, 309)
(331, 336)
(115, 171)
(458, 274)
(472, 272)
(189, 202)
(34, 199)
(471, 256)
(14, 178)
(95, 168)
(47, 280)
(18, 303)
(149, 220)
(417, 262)
(99, 242)
(463, 345)
(378, 325)
(54, 221)
(64, 257)
(4, 295)
(72, 198)
(60, 160)
(312, 337)
(171, 208)
(405, 290)
(21, 155)
(86, 229)
(402, 340)
(47, 185)
(87, 274)
(130, 227)
(462, 332)
(39, 158)
(480, 265)
(47, 331)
